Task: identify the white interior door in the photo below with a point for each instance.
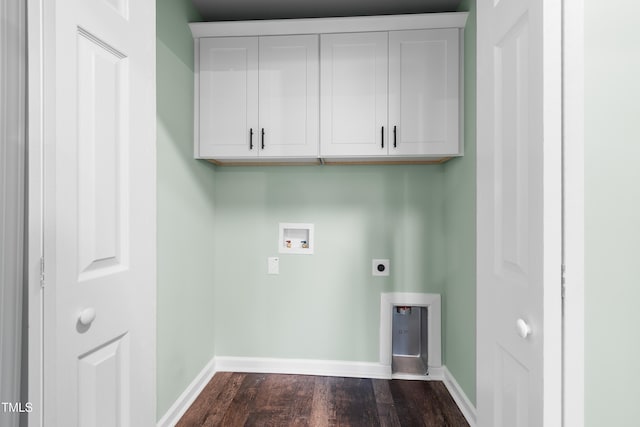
(228, 120)
(99, 294)
(288, 96)
(519, 213)
(353, 94)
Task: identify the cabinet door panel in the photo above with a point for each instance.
(423, 92)
(228, 96)
(288, 95)
(353, 100)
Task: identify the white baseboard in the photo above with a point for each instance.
(466, 407)
(193, 390)
(330, 368)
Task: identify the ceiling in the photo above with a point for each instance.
(234, 10)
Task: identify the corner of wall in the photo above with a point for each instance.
(460, 227)
(185, 197)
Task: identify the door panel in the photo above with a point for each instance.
(519, 214)
(511, 390)
(103, 385)
(228, 96)
(423, 92)
(353, 100)
(99, 213)
(102, 120)
(511, 141)
(289, 100)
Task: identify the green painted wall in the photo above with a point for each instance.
(326, 305)
(459, 301)
(612, 213)
(185, 214)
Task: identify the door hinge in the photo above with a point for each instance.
(42, 272)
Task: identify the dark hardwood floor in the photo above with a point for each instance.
(236, 399)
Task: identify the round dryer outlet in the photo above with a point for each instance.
(380, 267)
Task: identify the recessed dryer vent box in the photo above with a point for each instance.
(295, 238)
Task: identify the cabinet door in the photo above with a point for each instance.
(423, 92)
(353, 94)
(289, 101)
(228, 97)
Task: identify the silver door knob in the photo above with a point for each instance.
(87, 316)
(523, 328)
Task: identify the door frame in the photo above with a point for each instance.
(573, 212)
(35, 209)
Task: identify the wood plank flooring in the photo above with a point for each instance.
(238, 399)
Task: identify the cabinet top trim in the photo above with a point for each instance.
(328, 25)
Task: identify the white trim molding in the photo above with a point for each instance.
(328, 25)
(434, 333)
(329, 368)
(188, 396)
(467, 408)
(35, 194)
(573, 229)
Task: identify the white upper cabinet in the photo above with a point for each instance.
(288, 96)
(353, 100)
(228, 96)
(419, 119)
(333, 90)
(258, 97)
(424, 92)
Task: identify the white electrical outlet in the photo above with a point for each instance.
(273, 265)
(380, 267)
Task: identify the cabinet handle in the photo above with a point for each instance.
(395, 144)
(250, 138)
(262, 140)
(382, 136)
